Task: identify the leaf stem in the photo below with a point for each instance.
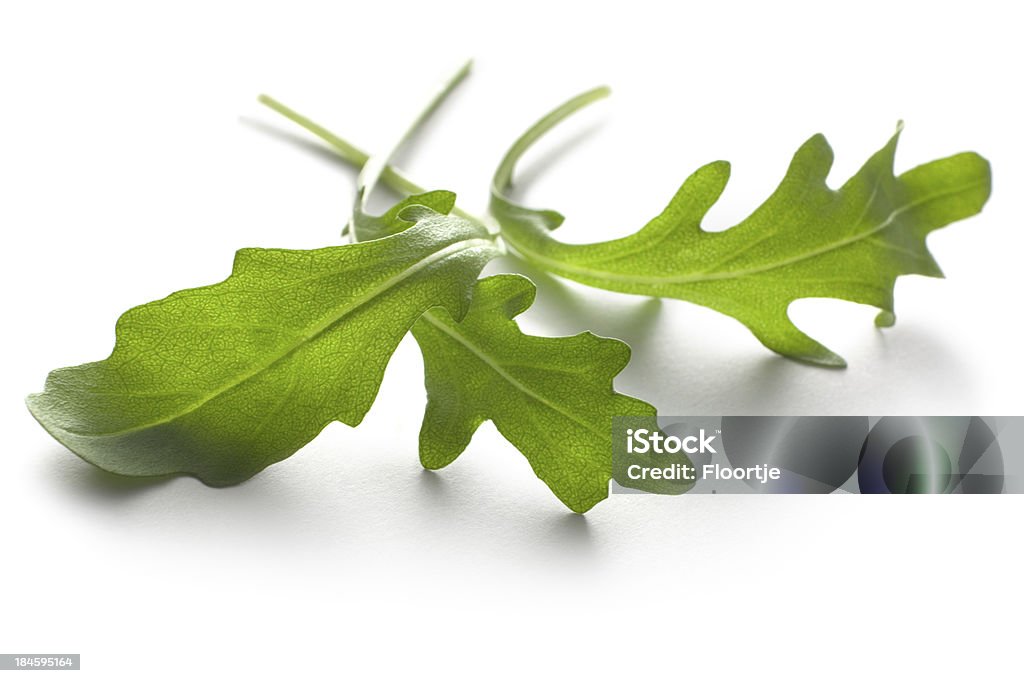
(503, 175)
(372, 169)
(354, 156)
(396, 180)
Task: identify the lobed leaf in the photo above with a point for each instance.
(552, 398)
(221, 381)
(805, 240)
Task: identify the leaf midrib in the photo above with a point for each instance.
(325, 324)
(500, 371)
(611, 276)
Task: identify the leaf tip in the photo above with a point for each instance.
(885, 319)
(32, 404)
(517, 291)
(818, 140)
(826, 359)
(581, 506)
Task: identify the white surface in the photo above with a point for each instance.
(134, 161)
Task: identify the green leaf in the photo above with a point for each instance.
(222, 381)
(805, 240)
(552, 398)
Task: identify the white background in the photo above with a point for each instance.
(134, 160)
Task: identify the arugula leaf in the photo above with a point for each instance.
(222, 381)
(552, 398)
(805, 240)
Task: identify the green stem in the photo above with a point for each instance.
(370, 174)
(503, 175)
(354, 156)
(397, 181)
